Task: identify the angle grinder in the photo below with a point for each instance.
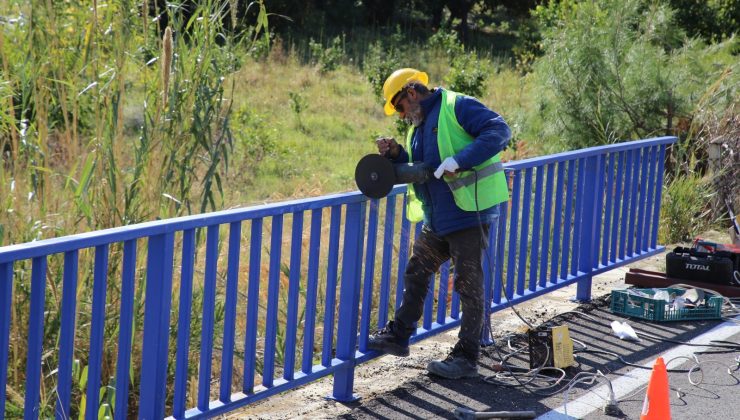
(375, 175)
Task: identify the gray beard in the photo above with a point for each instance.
(414, 116)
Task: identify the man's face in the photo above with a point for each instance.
(414, 114)
(409, 107)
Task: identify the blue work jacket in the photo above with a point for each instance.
(491, 135)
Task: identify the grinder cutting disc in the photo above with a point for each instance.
(375, 176)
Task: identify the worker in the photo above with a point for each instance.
(463, 140)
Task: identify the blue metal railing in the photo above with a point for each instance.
(266, 326)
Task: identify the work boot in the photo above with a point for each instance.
(454, 367)
(386, 341)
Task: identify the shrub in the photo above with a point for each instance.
(256, 141)
(446, 42)
(615, 70)
(260, 48)
(328, 59)
(297, 105)
(685, 208)
(466, 75)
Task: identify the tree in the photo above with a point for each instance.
(460, 9)
(615, 70)
(379, 12)
(709, 19)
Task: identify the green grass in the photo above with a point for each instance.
(341, 118)
(99, 146)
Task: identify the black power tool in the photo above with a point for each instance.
(375, 175)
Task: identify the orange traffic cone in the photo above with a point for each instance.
(657, 405)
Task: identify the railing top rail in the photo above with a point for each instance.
(590, 151)
(119, 234)
(123, 233)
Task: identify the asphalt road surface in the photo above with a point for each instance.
(714, 394)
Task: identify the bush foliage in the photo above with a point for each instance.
(619, 70)
(108, 123)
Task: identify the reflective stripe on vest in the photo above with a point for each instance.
(469, 179)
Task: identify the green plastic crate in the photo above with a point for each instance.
(655, 310)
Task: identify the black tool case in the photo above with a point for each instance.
(690, 264)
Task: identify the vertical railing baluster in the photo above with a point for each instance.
(367, 287)
(429, 298)
(618, 180)
(273, 295)
(294, 283)
(156, 326)
(489, 268)
(349, 301)
(312, 282)
(35, 338)
(455, 301)
(609, 192)
(498, 280)
(526, 201)
(6, 295)
(125, 336)
(599, 204)
(634, 187)
(232, 289)
(536, 226)
(208, 315)
(658, 181)
(403, 254)
(95, 359)
(558, 216)
(429, 304)
(546, 224)
(444, 281)
(253, 301)
(385, 275)
(642, 203)
(183, 323)
(628, 184)
(513, 232)
(649, 202)
(331, 286)
(568, 215)
(577, 215)
(67, 335)
(588, 234)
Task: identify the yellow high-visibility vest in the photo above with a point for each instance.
(489, 175)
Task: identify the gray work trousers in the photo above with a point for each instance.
(430, 251)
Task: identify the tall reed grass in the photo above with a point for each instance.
(107, 122)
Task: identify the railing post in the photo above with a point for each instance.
(587, 238)
(35, 338)
(6, 294)
(349, 301)
(489, 277)
(156, 325)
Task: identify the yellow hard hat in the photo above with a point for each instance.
(396, 81)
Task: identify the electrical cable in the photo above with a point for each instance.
(533, 376)
(533, 373)
(484, 238)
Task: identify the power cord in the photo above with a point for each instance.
(532, 376)
(484, 238)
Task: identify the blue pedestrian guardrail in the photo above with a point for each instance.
(197, 316)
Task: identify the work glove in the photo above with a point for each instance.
(448, 165)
